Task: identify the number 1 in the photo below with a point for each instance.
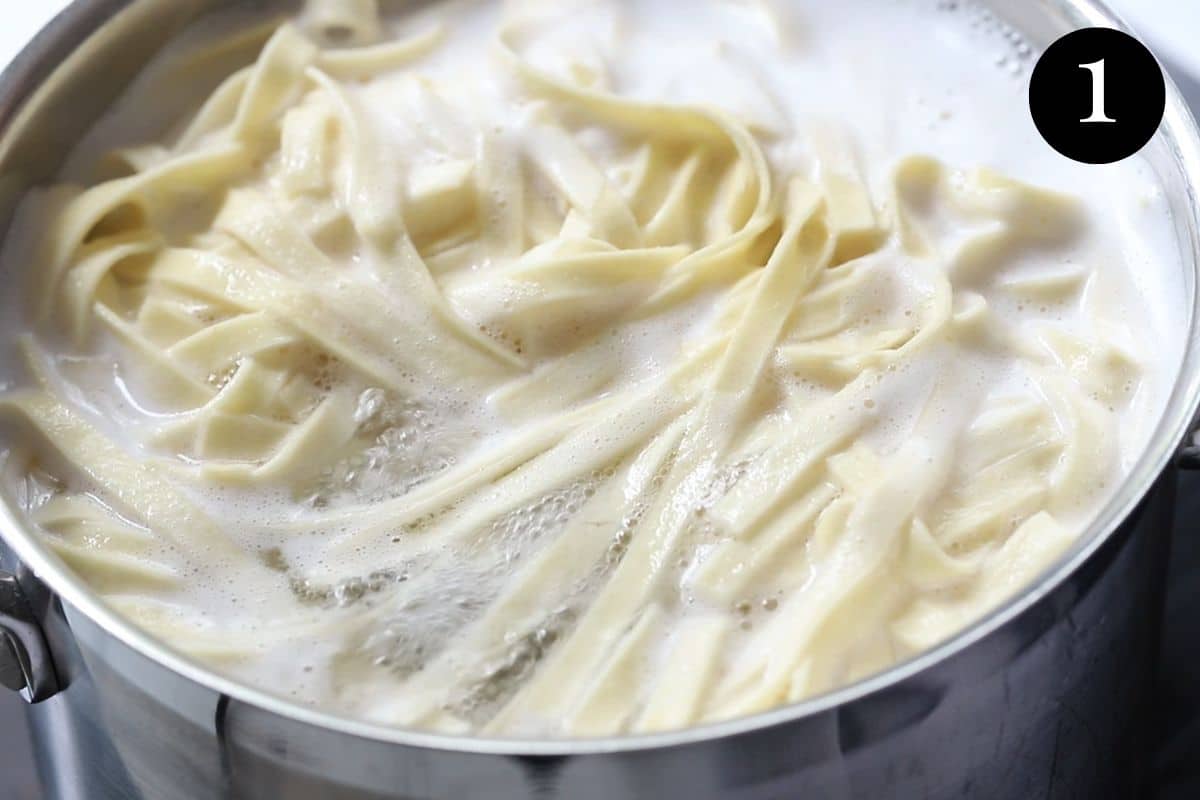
(1097, 70)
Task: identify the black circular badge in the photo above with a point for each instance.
(1097, 95)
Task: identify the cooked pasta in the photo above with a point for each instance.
(456, 386)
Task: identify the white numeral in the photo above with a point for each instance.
(1097, 70)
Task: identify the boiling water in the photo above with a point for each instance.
(882, 79)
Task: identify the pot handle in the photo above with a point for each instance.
(25, 663)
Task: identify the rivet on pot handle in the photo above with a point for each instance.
(25, 662)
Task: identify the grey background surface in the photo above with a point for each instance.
(1177, 758)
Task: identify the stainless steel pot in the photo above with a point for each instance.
(1045, 697)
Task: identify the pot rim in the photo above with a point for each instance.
(69, 29)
